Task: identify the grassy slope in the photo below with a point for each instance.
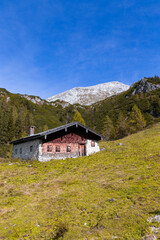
(108, 194)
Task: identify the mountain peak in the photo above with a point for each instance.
(89, 95)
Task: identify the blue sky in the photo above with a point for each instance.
(50, 46)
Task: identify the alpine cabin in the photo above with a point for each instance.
(67, 141)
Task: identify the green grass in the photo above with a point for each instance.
(109, 194)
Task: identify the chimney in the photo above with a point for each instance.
(31, 130)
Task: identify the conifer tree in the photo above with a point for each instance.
(121, 126)
(136, 120)
(45, 127)
(28, 122)
(78, 117)
(108, 129)
(14, 114)
(18, 128)
(10, 127)
(24, 134)
(3, 125)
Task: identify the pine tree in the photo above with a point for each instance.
(136, 120)
(121, 126)
(28, 122)
(108, 129)
(3, 125)
(78, 117)
(18, 128)
(45, 127)
(10, 127)
(14, 113)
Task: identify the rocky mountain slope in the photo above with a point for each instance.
(145, 86)
(145, 94)
(89, 95)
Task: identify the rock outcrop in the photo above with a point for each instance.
(145, 86)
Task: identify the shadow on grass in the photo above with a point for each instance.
(62, 228)
(155, 212)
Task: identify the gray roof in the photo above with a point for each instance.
(54, 130)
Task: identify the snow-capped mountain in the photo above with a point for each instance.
(90, 95)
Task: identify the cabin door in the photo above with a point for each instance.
(82, 150)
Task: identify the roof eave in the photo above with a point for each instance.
(26, 139)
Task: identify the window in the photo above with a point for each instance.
(49, 148)
(92, 143)
(31, 148)
(20, 150)
(68, 148)
(16, 151)
(57, 148)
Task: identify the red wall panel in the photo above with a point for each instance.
(70, 139)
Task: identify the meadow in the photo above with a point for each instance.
(108, 195)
